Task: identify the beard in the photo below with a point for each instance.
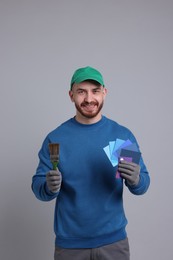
(86, 109)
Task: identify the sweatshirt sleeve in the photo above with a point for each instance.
(144, 180)
(39, 185)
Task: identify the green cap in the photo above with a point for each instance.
(83, 74)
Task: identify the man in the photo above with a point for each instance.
(89, 216)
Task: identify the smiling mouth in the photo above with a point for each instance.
(89, 106)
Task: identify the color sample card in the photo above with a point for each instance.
(133, 154)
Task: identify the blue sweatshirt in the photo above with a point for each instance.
(89, 206)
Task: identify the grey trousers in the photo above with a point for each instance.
(115, 251)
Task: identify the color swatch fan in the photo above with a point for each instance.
(121, 149)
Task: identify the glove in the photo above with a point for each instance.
(53, 180)
(129, 171)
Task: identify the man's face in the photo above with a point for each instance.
(88, 99)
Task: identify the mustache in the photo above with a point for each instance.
(89, 103)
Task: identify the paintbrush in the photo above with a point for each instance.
(54, 154)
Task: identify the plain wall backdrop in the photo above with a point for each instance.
(42, 43)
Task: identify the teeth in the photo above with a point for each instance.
(90, 106)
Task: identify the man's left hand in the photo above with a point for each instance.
(129, 171)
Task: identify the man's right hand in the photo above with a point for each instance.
(54, 179)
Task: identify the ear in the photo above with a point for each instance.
(105, 91)
(71, 95)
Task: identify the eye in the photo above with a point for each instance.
(97, 90)
(80, 91)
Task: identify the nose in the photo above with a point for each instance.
(88, 97)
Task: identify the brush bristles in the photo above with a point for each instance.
(54, 152)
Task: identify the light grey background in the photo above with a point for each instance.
(42, 43)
